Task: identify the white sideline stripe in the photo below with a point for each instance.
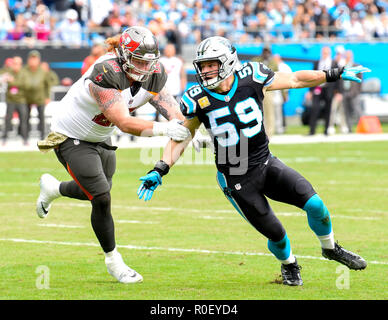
(90, 244)
(16, 194)
(290, 214)
(136, 221)
(53, 225)
(181, 210)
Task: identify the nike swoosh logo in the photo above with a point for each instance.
(44, 210)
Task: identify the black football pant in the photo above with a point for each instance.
(326, 96)
(274, 180)
(23, 121)
(91, 166)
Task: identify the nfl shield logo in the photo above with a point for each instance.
(238, 186)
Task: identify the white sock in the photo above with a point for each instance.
(290, 259)
(327, 241)
(111, 254)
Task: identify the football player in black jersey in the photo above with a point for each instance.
(228, 100)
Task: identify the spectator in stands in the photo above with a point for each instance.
(371, 22)
(99, 10)
(70, 30)
(98, 50)
(268, 103)
(5, 19)
(113, 21)
(129, 19)
(382, 30)
(41, 27)
(82, 8)
(18, 32)
(15, 99)
(172, 36)
(273, 18)
(248, 16)
(37, 88)
(354, 29)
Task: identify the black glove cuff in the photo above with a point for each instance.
(161, 167)
(333, 74)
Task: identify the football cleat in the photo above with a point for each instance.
(348, 258)
(49, 191)
(291, 274)
(119, 270)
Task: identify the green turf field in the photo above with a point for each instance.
(188, 242)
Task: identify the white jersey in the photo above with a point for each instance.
(78, 115)
(173, 68)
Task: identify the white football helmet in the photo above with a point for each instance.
(215, 49)
(138, 47)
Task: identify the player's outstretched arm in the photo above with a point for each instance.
(113, 107)
(313, 78)
(167, 105)
(171, 154)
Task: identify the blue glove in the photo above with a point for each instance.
(150, 182)
(351, 73)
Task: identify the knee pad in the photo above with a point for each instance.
(315, 207)
(318, 216)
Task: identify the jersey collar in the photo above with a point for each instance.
(224, 97)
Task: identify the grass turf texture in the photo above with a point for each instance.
(190, 212)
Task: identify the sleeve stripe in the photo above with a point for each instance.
(258, 76)
(269, 81)
(189, 103)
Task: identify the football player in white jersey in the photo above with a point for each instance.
(125, 78)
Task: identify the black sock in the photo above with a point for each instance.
(102, 221)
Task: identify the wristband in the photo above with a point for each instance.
(334, 74)
(161, 167)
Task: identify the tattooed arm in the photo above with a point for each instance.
(167, 106)
(113, 107)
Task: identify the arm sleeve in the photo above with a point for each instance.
(105, 76)
(262, 74)
(188, 106)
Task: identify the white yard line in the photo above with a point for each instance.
(53, 225)
(136, 221)
(89, 244)
(157, 210)
(160, 142)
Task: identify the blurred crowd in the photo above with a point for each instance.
(83, 22)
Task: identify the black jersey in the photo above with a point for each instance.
(234, 120)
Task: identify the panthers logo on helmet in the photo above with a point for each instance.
(127, 42)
